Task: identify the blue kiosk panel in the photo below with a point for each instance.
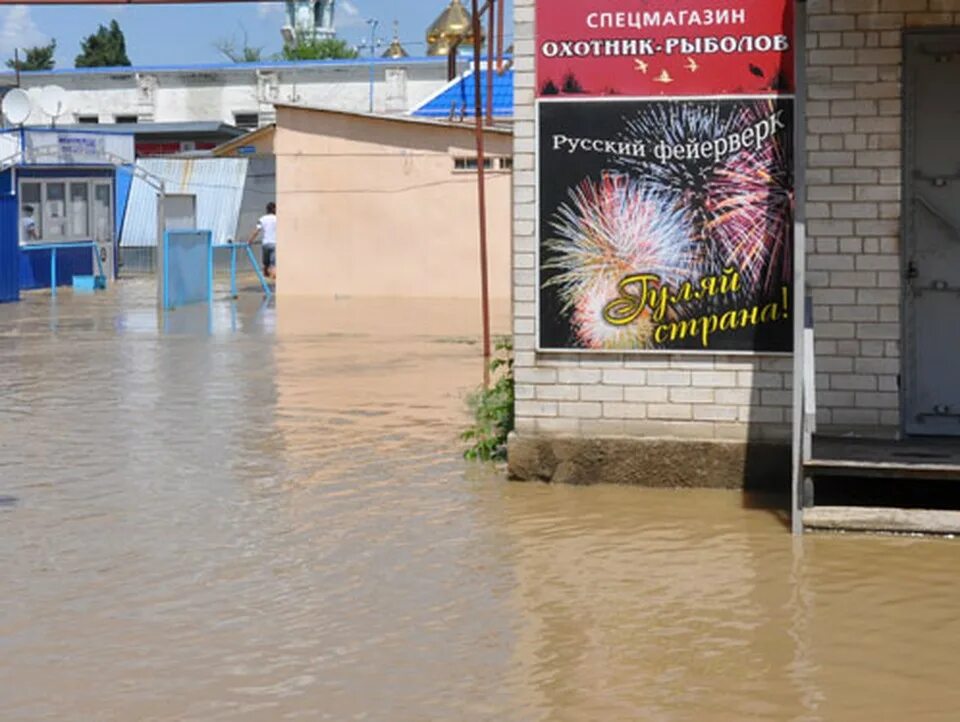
(9, 241)
(35, 267)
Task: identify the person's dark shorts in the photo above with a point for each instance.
(269, 257)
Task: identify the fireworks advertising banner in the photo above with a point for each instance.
(665, 171)
(666, 225)
(669, 48)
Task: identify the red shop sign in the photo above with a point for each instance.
(669, 48)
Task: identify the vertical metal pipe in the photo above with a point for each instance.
(372, 80)
(799, 264)
(491, 19)
(373, 23)
(481, 194)
(501, 10)
(452, 61)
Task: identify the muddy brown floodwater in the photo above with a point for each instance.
(263, 515)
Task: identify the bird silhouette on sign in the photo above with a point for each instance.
(756, 71)
(664, 78)
(641, 66)
(692, 65)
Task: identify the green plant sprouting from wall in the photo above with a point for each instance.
(492, 410)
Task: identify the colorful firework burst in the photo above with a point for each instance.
(676, 123)
(751, 206)
(595, 332)
(738, 206)
(609, 230)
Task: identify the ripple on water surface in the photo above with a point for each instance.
(261, 514)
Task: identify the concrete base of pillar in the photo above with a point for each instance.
(761, 466)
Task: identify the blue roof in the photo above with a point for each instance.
(262, 65)
(458, 97)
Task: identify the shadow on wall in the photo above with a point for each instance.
(768, 465)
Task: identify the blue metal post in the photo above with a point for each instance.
(164, 271)
(210, 267)
(101, 274)
(256, 268)
(53, 271)
(233, 270)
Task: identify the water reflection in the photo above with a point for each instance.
(271, 521)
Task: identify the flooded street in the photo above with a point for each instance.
(264, 515)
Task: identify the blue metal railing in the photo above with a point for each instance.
(253, 263)
(54, 247)
(234, 248)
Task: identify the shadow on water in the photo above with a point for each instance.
(8, 502)
(774, 502)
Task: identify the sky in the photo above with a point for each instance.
(186, 34)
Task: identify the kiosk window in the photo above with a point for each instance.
(79, 209)
(55, 211)
(67, 209)
(32, 219)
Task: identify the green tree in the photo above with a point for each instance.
(309, 49)
(106, 48)
(242, 53)
(38, 58)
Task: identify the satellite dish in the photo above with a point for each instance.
(53, 101)
(16, 106)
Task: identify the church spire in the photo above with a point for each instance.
(396, 49)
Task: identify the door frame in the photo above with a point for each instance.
(113, 272)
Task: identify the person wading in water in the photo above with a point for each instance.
(267, 230)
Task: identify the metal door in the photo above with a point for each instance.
(177, 212)
(103, 234)
(931, 234)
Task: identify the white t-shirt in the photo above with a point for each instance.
(267, 225)
(29, 229)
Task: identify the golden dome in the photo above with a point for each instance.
(396, 50)
(453, 24)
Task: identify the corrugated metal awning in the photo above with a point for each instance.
(217, 184)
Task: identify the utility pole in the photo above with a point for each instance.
(374, 24)
(491, 25)
(481, 191)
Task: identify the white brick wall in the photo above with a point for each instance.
(853, 155)
(854, 187)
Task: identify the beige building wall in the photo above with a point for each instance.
(374, 206)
